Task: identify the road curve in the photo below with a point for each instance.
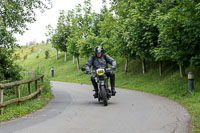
(73, 110)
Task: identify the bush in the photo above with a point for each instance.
(46, 54)
(8, 69)
(32, 49)
(195, 60)
(25, 57)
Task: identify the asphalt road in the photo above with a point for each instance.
(74, 110)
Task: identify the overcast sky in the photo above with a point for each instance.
(38, 29)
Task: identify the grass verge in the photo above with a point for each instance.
(15, 110)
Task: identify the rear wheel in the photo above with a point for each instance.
(104, 96)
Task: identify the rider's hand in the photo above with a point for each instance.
(87, 71)
(113, 67)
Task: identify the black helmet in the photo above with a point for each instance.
(98, 49)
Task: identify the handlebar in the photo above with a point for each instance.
(93, 71)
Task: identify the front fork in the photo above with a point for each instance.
(105, 84)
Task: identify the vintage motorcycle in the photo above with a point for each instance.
(104, 93)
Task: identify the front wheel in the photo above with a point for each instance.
(104, 96)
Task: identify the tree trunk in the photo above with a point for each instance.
(126, 65)
(65, 56)
(160, 67)
(56, 54)
(73, 59)
(78, 65)
(182, 71)
(143, 66)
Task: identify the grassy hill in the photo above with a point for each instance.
(169, 85)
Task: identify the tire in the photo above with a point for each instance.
(104, 96)
(99, 97)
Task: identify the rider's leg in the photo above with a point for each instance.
(95, 86)
(112, 81)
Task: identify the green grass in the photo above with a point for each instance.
(13, 110)
(169, 85)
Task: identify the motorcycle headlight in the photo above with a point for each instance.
(100, 71)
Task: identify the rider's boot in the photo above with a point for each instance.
(96, 92)
(112, 82)
(95, 86)
(113, 91)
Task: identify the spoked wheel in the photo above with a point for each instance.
(99, 97)
(104, 96)
(108, 94)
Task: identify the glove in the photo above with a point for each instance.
(87, 71)
(113, 67)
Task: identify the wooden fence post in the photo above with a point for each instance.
(143, 66)
(126, 64)
(41, 83)
(29, 88)
(36, 87)
(160, 67)
(18, 93)
(42, 79)
(19, 98)
(1, 100)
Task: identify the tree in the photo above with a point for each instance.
(145, 34)
(137, 31)
(58, 37)
(8, 69)
(81, 25)
(88, 44)
(179, 32)
(122, 31)
(77, 33)
(14, 16)
(63, 31)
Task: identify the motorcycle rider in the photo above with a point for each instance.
(101, 60)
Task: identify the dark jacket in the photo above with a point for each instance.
(101, 62)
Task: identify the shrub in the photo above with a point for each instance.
(32, 49)
(46, 54)
(9, 70)
(25, 57)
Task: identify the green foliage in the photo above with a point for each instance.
(195, 60)
(153, 30)
(14, 110)
(73, 28)
(88, 44)
(62, 32)
(77, 31)
(32, 49)
(8, 69)
(14, 17)
(37, 56)
(46, 54)
(25, 56)
(108, 32)
(179, 34)
(145, 29)
(26, 107)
